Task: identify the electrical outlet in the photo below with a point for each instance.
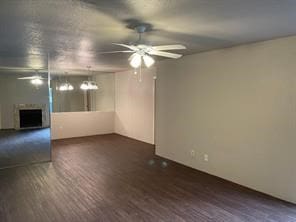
(206, 157)
(192, 153)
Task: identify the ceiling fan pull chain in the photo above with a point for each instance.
(140, 75)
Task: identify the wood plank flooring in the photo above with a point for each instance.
(113, 178)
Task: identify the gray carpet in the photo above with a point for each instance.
(25, 146)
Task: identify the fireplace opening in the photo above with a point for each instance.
(30, 118)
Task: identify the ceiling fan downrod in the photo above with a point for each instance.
(140, 29)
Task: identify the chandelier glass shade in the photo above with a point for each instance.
(65, 87)
(89, 85)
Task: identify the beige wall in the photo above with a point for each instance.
(236, 105)
(134, 105)
(103, 98)
(77, 124)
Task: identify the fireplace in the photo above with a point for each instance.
(30, 118)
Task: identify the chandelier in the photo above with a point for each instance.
(66, 86)
(89, 84)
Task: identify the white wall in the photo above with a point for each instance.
(134, 105)
(78, 124)
(237, 105)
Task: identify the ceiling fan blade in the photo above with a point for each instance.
(132, 47)
(112, 52)
(168, 47)
(165, 54)
(32, 77)
(29, 77)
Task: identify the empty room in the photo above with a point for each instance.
(147, 110)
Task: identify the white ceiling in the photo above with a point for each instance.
(74, 33)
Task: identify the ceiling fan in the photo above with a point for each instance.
(142, 51)
(35, 79)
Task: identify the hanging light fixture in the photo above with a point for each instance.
(92, 85)
(66, 86)
(89, 85)
(84, 85)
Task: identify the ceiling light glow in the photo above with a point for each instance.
(37, 82)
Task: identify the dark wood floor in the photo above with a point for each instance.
(113, 178)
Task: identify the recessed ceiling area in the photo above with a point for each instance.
(72, 35)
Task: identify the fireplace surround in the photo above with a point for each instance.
(30, 116)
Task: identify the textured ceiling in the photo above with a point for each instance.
(74, 33)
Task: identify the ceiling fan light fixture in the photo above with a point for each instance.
(148, 60)
(136, 60)
(140, 50)
(37, 82)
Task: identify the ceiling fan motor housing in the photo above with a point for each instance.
(141, 28)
